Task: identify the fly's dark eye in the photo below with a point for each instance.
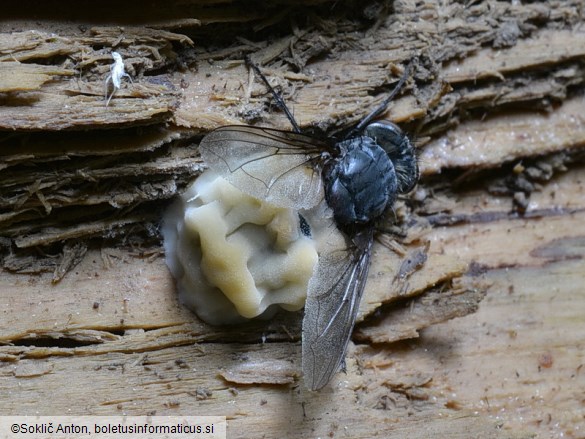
(400, 151)
(385, 133)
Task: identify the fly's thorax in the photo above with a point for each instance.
(360, 183)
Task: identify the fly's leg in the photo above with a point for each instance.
(277, 97)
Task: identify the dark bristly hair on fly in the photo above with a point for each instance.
(359, 177)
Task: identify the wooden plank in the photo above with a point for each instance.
(15, 77)
(507, 137)
(545, 48)
(519, 325)
(501, 207)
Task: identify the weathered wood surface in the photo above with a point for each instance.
(496, 105)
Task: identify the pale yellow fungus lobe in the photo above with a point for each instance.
(233, 256)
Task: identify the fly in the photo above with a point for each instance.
(358, 177)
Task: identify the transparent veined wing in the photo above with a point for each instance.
(280, 167)
(333, 299)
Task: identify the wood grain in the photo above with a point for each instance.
(495, 105)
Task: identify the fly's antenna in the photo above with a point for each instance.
(277, 97)
(382, 107)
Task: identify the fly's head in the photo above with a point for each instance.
(400, 151)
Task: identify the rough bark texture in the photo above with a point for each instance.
(495, 105)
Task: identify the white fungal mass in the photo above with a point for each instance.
(233, 256)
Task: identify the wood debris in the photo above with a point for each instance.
(262, 372)
(57, 187)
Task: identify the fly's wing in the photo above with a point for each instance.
(277, 166)
(333, 299)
